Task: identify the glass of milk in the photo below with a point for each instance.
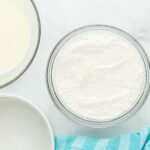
(19, 38)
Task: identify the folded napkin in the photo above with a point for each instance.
(138, 141)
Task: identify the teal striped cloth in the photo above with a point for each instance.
(138, 141)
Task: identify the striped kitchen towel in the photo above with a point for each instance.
(138, 141)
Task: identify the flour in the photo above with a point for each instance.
(98, 75)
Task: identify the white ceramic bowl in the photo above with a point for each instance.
(23, 126)
(33, 17)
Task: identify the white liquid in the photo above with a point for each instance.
(14, 34)
(99, 75)
(22, 127)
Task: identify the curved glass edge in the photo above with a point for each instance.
(38, 42)
(86, 121)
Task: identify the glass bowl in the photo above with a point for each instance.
(83, 120)
(35, 31)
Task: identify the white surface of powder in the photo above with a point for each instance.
(99, 75)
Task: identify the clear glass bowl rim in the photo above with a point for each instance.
(36, 48)
(80, 119)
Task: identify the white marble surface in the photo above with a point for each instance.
(58, 17)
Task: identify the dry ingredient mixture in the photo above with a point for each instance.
(99, 75)
(14, 34)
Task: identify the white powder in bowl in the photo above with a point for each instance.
(98, 75)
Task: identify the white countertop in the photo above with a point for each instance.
(59, 17)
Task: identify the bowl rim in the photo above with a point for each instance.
(80, 119)
(36, 48)
(37, 109)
